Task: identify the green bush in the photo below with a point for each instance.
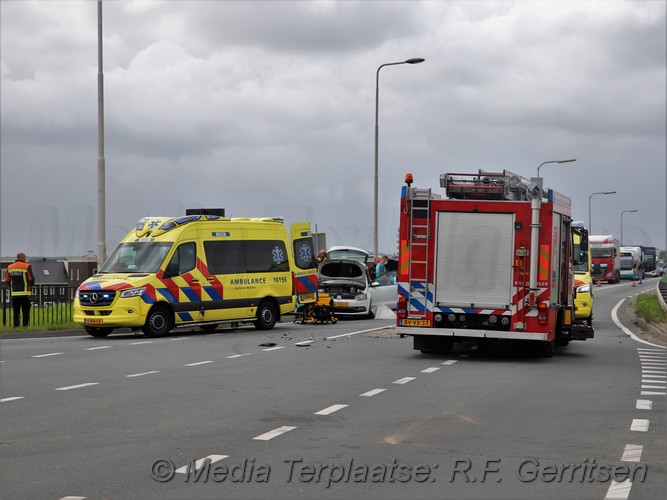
(648, 308)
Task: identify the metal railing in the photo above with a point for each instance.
(51, 305)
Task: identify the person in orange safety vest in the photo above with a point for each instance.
(21, 279)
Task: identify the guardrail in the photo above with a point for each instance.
(661, 292)
(51, 305)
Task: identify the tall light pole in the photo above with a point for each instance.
(553, 161)
(414, 60)
(625, 212)
(590, 227)
(101, 188)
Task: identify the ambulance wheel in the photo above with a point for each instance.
(266, 316)
(96, 331)
(159, 322)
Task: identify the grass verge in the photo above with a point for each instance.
(649, 309)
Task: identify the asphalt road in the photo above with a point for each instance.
(333, 411)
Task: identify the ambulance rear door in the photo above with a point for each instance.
(305, 263)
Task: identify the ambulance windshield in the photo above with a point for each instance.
(137, 257)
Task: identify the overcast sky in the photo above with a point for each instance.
(268, 109)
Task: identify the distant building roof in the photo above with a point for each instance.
(49, 272)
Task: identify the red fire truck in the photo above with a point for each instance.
(492, 262)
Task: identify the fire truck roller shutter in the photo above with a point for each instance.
(475, 254)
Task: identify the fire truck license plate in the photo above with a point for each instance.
(93, 321)
(307, 297)
(416, 322)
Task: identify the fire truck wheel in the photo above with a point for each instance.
(159, 322)
(266, 316)
(548, 349)
(97, 331)
(562, 342)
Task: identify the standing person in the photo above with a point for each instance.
(381, 268)
(20, 278)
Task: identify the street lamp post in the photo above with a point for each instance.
(623, 212)
(414, 60)
(553, 161)
(590, 227)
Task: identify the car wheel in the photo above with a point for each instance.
(159, 322)
(98, 332)
(266, 316)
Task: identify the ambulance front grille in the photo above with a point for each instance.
(97, 298)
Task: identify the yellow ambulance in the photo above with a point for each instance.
(200, 270)
(583, 299)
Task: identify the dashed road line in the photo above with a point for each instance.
(403, 380)
(632, 453)
(644, 404)
(274, 433)
(142, 342)
(449, 362)
(142, 374)
(198, 464)
(233, 356)
(14, 398)
(78, 386)
(305, 342)
(331, 409)
(274, 348)
(198, 363)
(618, 491)
(639, 425)
(373, 392)
(652, 393)
(431, 369)
(97, 348)
(47, 355)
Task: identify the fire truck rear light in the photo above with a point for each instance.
(493, 320)
(451, 317)
(438, 317)
(543, 306)
(505, 321)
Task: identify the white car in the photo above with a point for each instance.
(344, 276)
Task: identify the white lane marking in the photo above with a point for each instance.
(632, 453)
(142, 342)
(199, 363)
(652, 393)
(73, 498)
(361, 331)
(142, 374)
(330, 410)
(651, 355)
(49, 354)
(614, 317)
(305, 342)
(238, 355)
(403, 380)
(372, 393)
(200, 462)
(96, 348)
(647, 375)
(648, 350)
(654, 363)
(644, 404)
(639, 425)
(652, 386)
(274, 433)
(449, 362)
(274, 348)
(618, 491)
(654, 371)
(79, 386)
(14, 398)
(431, 369)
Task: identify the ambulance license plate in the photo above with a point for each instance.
(307, 297)
(416, 322)
(93, 321)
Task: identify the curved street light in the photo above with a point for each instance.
(625, 212)
(553, 161)
(413, 60)
(590, 227)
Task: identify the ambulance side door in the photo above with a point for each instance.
(183, 283)
(226, 278)
(305, 270)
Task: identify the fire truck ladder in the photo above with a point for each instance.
(420, 235)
